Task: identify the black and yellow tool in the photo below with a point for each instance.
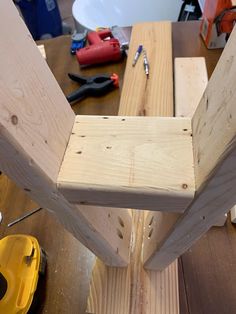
(21, 263)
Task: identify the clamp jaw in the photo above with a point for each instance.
(97, 85)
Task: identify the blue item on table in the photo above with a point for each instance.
(78, 41)
(41, 17)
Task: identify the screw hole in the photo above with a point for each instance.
(105, 117)
(14, 119)
(122, 119)
(207, 104)
(150, 233)
(185, 130)
(119, 233)
(79, 152)
(27, 190)
(184, 186)
(109, 147)
(121, 222)
(151, 221)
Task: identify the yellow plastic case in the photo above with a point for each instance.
(20, 262)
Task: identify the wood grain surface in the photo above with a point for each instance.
(33, 141)
(190, 83)
(215, 180)
(29, 96)
(142, 291)
(141, 95)
(215, 111)
(106, 163)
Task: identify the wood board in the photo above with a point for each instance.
(190, 82)
(214, 122)
(33, 141)
(106, 163)
(134, 290)
(214, 134)
(152, 97)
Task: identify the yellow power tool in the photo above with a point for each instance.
(21, 263)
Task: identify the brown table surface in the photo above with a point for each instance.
(207, 273)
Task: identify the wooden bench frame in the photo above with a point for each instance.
(36, 125)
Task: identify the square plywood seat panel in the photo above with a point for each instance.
(131, 162)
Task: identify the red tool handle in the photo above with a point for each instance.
(105, 51)
(97, 37)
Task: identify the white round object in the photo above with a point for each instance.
(106, 13)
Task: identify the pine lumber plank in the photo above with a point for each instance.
(214, 133)
(215, 111)
(109, 290)
(33, 141)
(26, 85)
(190, 82)
(139, 94)
(144, 291)
(136, 290)
(106, 163)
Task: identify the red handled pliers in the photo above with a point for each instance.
(97, 85)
